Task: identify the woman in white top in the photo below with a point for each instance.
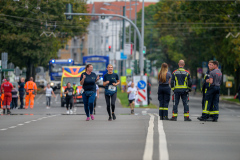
(132, 92)
(49, 92)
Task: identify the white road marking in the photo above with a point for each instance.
(13, 127)
(163, 150)
(4, 129)
(148, 151)
(147, 109)
(28, 122)
(99, 106)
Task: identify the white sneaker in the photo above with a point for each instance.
(71, 112)
(67, 111)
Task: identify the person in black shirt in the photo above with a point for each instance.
(110, 81)
(21, 92)
(164, 91)
(88, 80)
(69, 97)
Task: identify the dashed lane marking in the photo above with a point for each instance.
(21, 124)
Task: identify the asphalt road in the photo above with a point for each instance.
(43, 134)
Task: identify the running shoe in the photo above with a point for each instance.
(110, 119)
(71, 112)
(92, 117)
(68, 112)
(114, 117)
(88, 119)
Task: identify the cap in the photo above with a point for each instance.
(4, 80)
(74, 83)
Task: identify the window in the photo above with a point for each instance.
(101, 40)
(107, 26)
(102, 25)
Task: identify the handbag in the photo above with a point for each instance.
(109, 93)
(89, 93)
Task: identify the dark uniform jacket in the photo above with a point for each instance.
(181, 80)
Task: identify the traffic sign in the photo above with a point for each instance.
(127, 49)
(122, 56)
(141, 84)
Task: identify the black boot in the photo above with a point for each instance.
(4, 111)
(173, 119)
(214, 120)
(201, 119)
(8, 111)
(165, 118)
(114, 117)
(187, 119)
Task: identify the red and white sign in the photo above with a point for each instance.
(141, 98)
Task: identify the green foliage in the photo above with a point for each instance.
(194, 31)
(20, 30)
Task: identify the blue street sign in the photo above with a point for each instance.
(122, 56)
(141, 84)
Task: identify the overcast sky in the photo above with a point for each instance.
(91, 1)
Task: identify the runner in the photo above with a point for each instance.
(49, 92)
(97, 97)
(110, 81)
(132, 92)
(69, 97)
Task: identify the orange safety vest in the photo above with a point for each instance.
(30, 86)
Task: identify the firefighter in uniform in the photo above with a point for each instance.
(206, 85)
(31, 91)
(6, 88)
(212, 96)
(181, 84)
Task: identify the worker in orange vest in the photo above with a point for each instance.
(31, 92)
(2, 95)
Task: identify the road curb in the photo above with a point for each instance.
(230, 102)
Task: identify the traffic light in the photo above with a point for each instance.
(136, 67)
(109, 48)
(69, 9)
(147, 66)
(144, 49)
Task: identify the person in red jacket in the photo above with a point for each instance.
(6, 88)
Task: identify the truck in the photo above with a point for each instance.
(71, 74)
(55, 71)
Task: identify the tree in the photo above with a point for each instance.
(21, 27)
